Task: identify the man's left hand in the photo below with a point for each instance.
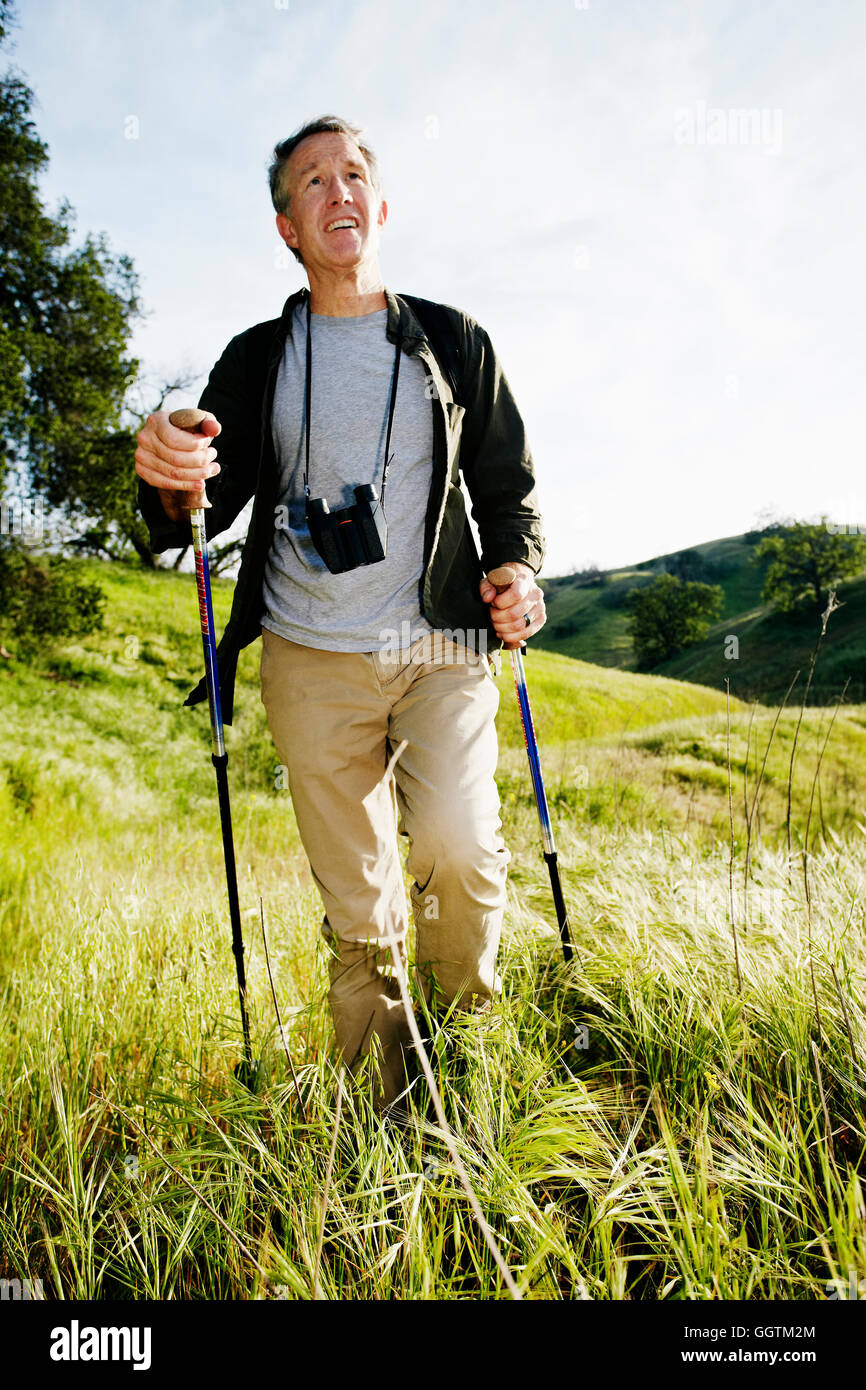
(510, 609)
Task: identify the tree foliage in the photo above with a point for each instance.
(688, 565)
(66, 310)
(66, 313)
(669, 615)
(44, 596)
(807, 560)
(7, 18)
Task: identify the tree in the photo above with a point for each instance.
(65, 319)
(44, 596)
(668, 615)
(7, 17)
(686, 565)
(806, 561)
(590, 577)
(65, 316)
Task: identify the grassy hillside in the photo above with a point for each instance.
(588, 621)
(100, 724)
(676, 1115)
(773, 646)
(149, 657)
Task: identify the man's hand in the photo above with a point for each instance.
(176, 462)
(508, 610)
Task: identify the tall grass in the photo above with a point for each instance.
(681, 1152)
(636, 1125)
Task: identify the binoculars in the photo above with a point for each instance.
(353, 536)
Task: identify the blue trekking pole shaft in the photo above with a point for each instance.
(501, 579)
(190, 420)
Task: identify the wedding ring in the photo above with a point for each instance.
(527, 621)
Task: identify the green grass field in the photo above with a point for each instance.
(642, 1124)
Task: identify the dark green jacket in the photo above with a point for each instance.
(477, 431)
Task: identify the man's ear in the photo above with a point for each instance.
(286, 229)
(383, 213)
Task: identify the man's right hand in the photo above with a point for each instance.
(176, 462)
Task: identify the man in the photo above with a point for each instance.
(354, 385)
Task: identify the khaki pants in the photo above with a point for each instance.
(335, 718)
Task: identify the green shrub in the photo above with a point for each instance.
(43, 596)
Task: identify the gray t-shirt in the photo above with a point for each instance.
(352, 369)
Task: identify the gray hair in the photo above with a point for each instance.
(322, 125)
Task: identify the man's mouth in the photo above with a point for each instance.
(342, 222)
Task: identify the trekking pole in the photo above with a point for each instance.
(501, 579)
(190, 420)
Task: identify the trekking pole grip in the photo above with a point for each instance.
(502, 578)
(189, 419)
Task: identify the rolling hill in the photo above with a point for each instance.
(95, 731)
(587, 620)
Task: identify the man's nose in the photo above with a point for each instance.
(339, 190)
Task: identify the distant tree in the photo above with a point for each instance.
(591, 577)
(686, 565)
(669, 615)
(772, 529)
(806, 561)
(768, 522)
(588, 577)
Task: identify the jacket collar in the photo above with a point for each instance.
(400, 316)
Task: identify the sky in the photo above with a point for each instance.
(655, 209)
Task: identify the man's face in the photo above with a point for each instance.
(329, 186)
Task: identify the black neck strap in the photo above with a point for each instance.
(308, 393)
